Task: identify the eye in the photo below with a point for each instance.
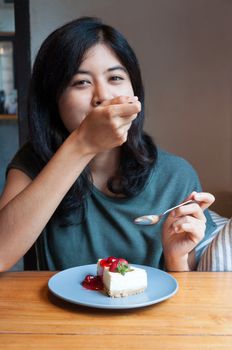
(116, 78)
(81, 83)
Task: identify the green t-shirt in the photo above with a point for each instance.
(108, 228)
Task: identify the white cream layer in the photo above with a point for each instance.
(115, 281)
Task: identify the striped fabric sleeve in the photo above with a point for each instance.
(220, 221)
(217, 256)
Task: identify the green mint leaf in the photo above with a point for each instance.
(123, 268)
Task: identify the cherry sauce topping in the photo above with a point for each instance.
(93, 282)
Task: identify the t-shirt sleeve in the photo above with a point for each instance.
(27, 161)
(210, 228)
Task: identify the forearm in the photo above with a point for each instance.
(23, 218)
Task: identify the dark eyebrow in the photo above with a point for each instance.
(82, 71)
(117, 68)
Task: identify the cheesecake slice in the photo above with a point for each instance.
(121, 279)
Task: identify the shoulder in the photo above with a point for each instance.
(174, 172)
(172, 163)
(27, 161)
(26, 150)
(174, 176)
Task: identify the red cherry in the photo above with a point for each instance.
(103, 263)
(111, 259)
(108, 261)
(114, 266)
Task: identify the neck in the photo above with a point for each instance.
(104, 166)
(106, 162)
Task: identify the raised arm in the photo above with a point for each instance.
(26, 206)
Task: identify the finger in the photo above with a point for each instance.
(191, 225)
(184, 223)
(120, 100)
(122, 124)
(123, 110)
(204, 199)
(192, 209)
(124, 129)
(126, 121)
(130, 110)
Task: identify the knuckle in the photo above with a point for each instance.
(138, 104)
(187, 220)
(113, 125)
(127, 126)
(123, 99)
(133, 117)
(118, 134)
(179, 211)
(110, 111)
(201, 235)
(122, 138)
(204, 220)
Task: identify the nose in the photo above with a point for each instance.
(101, 94)
(97, 103)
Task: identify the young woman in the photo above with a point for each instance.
(89, 169)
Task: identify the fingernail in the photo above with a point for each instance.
(133, 99)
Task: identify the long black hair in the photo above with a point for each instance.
(56, 63)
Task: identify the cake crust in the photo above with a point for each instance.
(124, 293)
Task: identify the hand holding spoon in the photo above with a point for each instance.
(153, 219)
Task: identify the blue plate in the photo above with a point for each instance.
(67, 285)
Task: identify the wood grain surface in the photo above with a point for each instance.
(199, 316)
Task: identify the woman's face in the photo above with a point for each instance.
(100, 77)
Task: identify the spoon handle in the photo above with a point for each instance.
(153, 219)
(179, 205)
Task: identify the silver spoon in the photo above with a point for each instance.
(153, 219)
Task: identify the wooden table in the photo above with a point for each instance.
(199, 316)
